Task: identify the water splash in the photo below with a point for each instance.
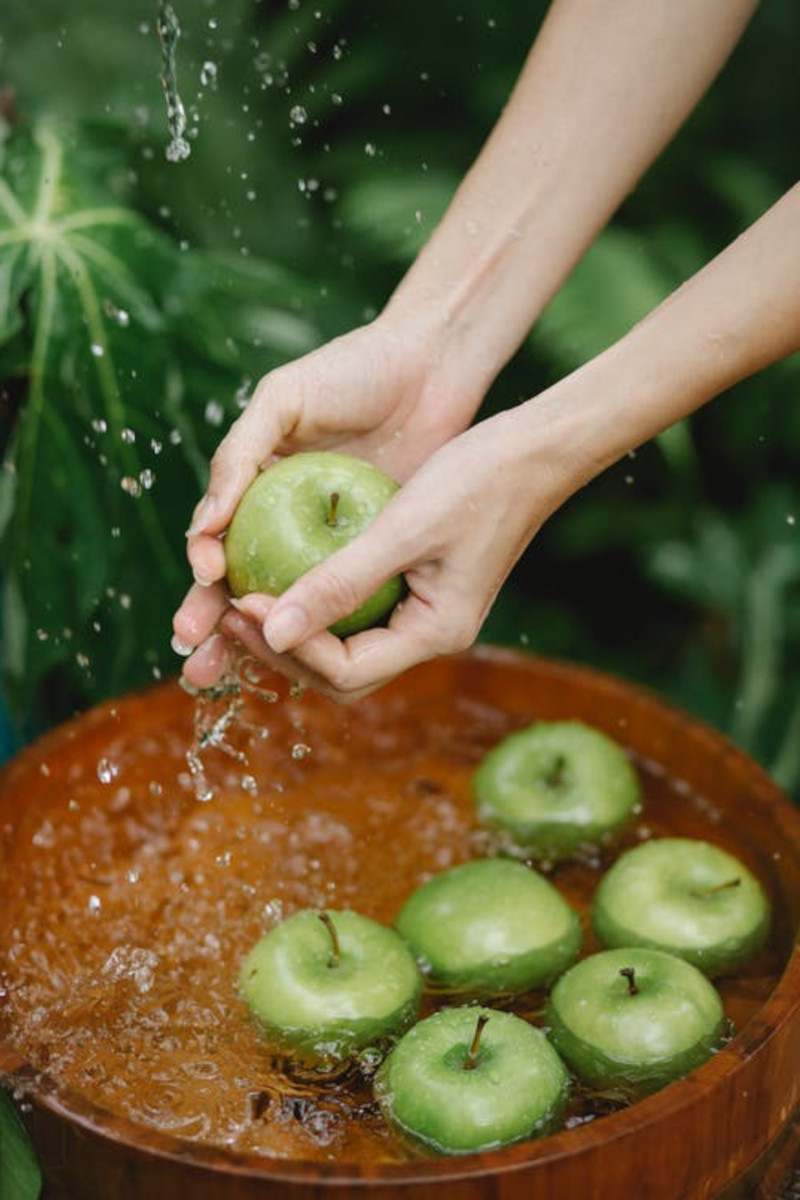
(169, 31)
(218, 716)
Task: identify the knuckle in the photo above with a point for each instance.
(459, 635)
(338, 592)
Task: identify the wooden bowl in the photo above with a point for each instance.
(130, 887)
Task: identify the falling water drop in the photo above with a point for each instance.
(169, 31)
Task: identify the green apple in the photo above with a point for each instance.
(558, 787)
(490, 927)
(325, 985)
(298, 512)
(633, 1020)
(685, 896)
(469, 1079)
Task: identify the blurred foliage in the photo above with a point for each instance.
(327, 138)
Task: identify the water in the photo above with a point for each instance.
(169, 31)
(220, 725)
(135, 1005)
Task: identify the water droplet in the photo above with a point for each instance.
(208, 74)
(97, 350)
(107, 770)
(214, 413)
(99, 425)
(370, 149)
(300, 750)
(128, 436)
(94, 904)
(177, 150)
(790, 519)
(130, 485)
(298, 115)
(147, 478)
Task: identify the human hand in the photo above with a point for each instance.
(383, 392)
(455, 530)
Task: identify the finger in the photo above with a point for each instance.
(248, 635)
(207, 559)
(248, 444)
(336, 588)
(369, 660)
(214, 658)
(197, 616)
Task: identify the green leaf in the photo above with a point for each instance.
(132, 353)
(20, 1177)
(616, 284)
(397, 214)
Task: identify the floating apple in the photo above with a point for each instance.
(557, 786)
(469, 1079)
(326, 984)
(297, 513)
(633, 1020)
(685, 896)
(490, 927)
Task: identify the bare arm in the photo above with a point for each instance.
(459, 525)
(605, 86)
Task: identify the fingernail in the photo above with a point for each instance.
(285, 628)
(182, 648)
(201, 580)
(201, 515)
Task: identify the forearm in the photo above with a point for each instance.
(734, 317)
(606, 85)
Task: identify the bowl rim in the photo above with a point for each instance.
(773, 1018)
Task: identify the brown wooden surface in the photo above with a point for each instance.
(697, 1139)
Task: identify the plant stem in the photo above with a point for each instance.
(333, 508)
(629, 974)
(471, 1060)
(331, 928)
(701, 893)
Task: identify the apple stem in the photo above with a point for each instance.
(701, 893)
(472, 1057)
(333, 508)
(331, 928)
(629, 974)
(555, 776)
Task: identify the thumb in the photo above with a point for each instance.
(332, 590)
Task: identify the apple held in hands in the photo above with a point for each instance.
(469, 1079)
(298, 512)
(490, 927)
(634, 1019)
(557, 787)
(684, 896)
(325, 985)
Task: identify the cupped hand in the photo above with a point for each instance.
(382, 392)
(455, 530)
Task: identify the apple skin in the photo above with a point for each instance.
(558, 787)
(281, 527)
(325, 1013)
(657, 894)
(634, 1044)
(518, 1088)
(490, 927)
